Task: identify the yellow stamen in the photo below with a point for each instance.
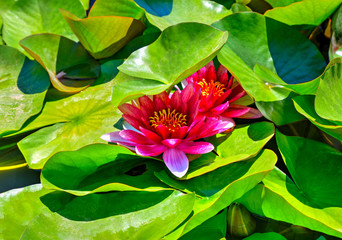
(216, 88)
(170, 119)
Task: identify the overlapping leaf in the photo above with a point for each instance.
(243, 143)
(278, 190)
(101, 168)
(167, 61)
(93, 216)
(70, 67)
(114, 33)
(23, 86)
(256, 40)
(305, 106)
(72, 122)
(24, 18)
(220, 188)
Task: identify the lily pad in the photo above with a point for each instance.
(321, 188)
(309, 13)
(265, 44)
(123, 8)
(69, 216)
(23, 85)
(101, 168)
(10, 156)
(243, 143)
(164, 62)
(115, 32)
(305, 106)
(265, 236)
(220, 188)
(24, 18)
(328, 101)
(70, 68)
(200, 11)
(279, 190)
(73, 122)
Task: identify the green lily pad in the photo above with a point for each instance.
(200, 11)
(283, 3)
(213, 228)
(69, 216)
(328, 101)
(123, 8)
(279, 190)
(115, 32)
(220, 188)
(267, 39)
(23, 86)
(70, 68)
(305, 106)
(13, 223)
(163, 63)
(307, 12)
(100, 168)
(73, 122)
(335, 49)
(24, 18)
(303, 157)
(243, 143)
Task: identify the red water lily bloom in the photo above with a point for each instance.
(168, 125)
(218, 94)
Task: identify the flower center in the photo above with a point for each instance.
(216, 88)
(170, 119)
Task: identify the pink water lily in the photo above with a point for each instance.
(167, 124)
(218, 94)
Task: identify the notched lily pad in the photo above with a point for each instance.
(70, 68)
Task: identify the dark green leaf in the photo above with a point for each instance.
(101, 168)
(265, 236)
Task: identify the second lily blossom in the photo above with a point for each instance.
(218, 94)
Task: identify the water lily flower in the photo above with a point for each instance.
(218, 94)
(167, 124)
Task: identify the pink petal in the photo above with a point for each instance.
(210, 64)
(234, 112)
(222, 74)
(175, 101)
(171, 143)
(163, 131)
(150, 150)
(176, 161)
(187, 92)
(195, 147)
(135, 137)
(146, 105)
(158, 103)
(151, 135)
(180, 132)
(136, 123)
(130, 110)
(115, 137)
(251, 114)
(202, 73)
(220, 108)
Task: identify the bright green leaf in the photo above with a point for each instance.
(24, 18)
(23, 86)
(72, 122)
(328, 101)
(200, 11)
(104, 41)
(167, 61)
(306, 12)
(265, 236)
